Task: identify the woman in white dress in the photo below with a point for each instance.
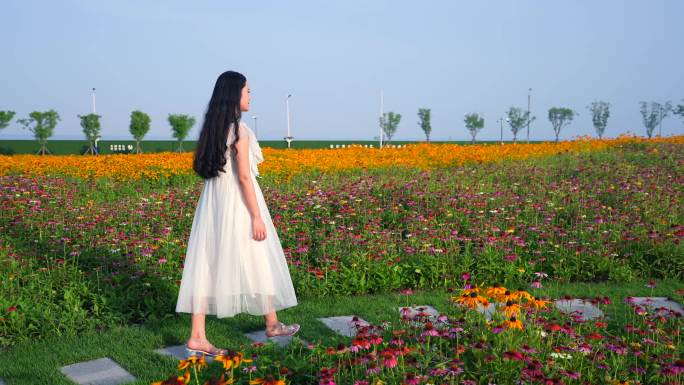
(234, 261)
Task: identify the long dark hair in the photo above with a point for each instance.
(222, 110)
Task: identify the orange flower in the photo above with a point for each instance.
(269, 381)
(173, 380)
(471, 300)
(505, 297)
(513, 323)
(495, 291)
(520, 294)
(284, 163)
(534, 303)
(511, 309)
(220, 381)
(231, 359)
(192, 361)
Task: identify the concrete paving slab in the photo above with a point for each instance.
(584, 309)
(662, 305)
(102, 371)
(343, 325)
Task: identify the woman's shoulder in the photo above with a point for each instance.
(244, 128)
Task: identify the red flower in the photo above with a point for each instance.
(11, 309)
(594, 336)
(554, 327)
(514, 355)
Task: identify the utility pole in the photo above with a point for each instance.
(381, 116)
(289, 137)
(529, 92)
(93, 100)
(256, 132)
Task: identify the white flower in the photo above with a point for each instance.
(564, 356)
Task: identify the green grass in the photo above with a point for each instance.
(63, 147)
(132, 346)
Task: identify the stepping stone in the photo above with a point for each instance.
(584, 309)
(178, 352)
(260, 336)
(413, 311)
(343, 325)
(2, 382)
(657, 303)
(103, 371)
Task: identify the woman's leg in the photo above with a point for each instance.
(198, 337)
(198, 332)
(271, 319)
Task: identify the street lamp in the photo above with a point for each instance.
(256, 132)
(508, 120)
(529, 92)
(93, 100)
(289, 137)
(381, 117)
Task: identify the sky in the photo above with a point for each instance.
(336, 57)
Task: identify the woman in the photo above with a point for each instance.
(234, 262)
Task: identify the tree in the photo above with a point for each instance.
(41, 124)
(5, 118)
(518, 119)
(474, 122)
(560, 117)
(424, 116)
(600, 112)
(140, 125)
(654, 115)
(91, 129)
(389, 122)
(181, 125)
(679, 111)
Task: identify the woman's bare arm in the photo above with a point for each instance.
(245, 176)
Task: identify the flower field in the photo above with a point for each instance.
(525, 342)
(91, 242)
(285, 163)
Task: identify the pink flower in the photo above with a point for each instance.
(536, 284)
(465, 276)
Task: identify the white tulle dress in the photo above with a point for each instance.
(227, 271)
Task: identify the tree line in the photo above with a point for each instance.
(516, 119)
(43, 123)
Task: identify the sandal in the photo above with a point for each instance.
(214, 352)
(283, 330)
